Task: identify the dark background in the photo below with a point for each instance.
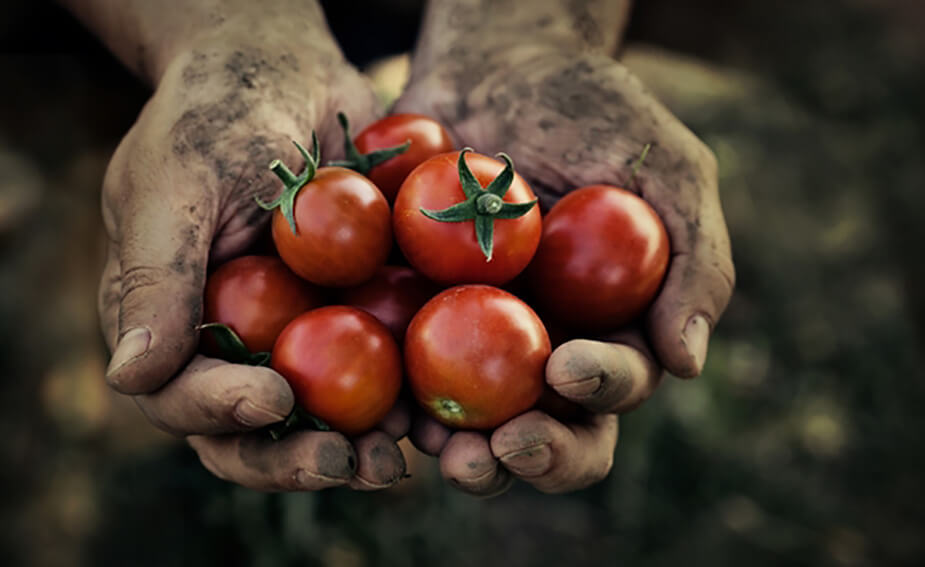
(801, 444)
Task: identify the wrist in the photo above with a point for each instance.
(457, 29)
(274, 40)
(147, 36)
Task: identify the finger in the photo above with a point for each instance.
(211, 396)
(428, 435)
(602, 376)
(698, 285)
(397, 422)
(380, 463)
(467, 463)
(309, 460)
(162, 255)
(555, 457)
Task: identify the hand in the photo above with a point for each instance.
(179, 194)
(568, 120)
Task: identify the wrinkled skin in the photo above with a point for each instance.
(178, 195)
(539, 84)
(570, 120)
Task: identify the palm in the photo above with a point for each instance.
(567, 122)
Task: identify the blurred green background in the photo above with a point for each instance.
(802, 444)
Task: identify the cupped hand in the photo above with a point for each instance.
(570, 119)
(179, 196)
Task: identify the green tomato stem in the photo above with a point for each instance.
(483, 205)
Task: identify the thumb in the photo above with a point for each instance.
(157, 282)
(696, 291)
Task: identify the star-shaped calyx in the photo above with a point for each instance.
(483, 205)
(359, 162)
(293, 183)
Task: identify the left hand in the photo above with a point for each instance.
(569, 120)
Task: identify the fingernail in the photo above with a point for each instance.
(532, 461)
(134, 343)
(249, 414)
(336, 459)
(696, 336)
(580, 388)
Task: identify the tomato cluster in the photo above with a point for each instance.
(330, 316)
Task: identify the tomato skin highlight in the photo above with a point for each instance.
(343, 233)
(343, 365)
(392, 296)
(448, 252)
(256, 296)
(475, 357)
(428, 138)
(602, 259)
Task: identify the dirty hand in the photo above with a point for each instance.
(570, 119)
(178, 196)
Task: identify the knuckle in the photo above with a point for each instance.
(214, 411)
(139, 278)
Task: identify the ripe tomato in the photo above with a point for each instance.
(601, 260)
(332, 224)
(343, 365)
(393, 296)
(256, 296)
(426, 136)
(450, 252)
(475, 357)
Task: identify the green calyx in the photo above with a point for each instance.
(483, 205)
(297, 420)
(232, 348)
(363, 163)
(293, 183)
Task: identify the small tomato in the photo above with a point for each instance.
(256, 296)
(388, 149)
(601, 260)
(343, 365)
(330, 225)
(475, 357)
(393, 296)
(467, 218)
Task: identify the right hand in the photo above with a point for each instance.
(179, 195)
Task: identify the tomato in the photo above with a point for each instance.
(343, 365)
(426, 136)
(601, 260)
(332, 225)
(451, 252)
(256, 296)
(475, 357)
(393, 296)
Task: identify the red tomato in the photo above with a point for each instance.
(343, 234)
(602, 258)
(343, 365)
(393, 296)
(428, 138)
(257, 296)
(448, 252)
(475, 357)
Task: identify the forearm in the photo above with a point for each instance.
(147, 35)
(451, 27)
